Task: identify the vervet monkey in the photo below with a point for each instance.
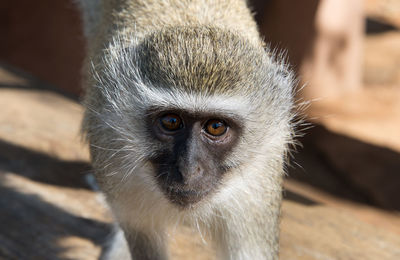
(188, 117)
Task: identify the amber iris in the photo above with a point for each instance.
(171, 122)
(215, 127)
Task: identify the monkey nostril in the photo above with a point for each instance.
(197, 173)
(177, 175)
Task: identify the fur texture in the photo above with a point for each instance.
(199, 56)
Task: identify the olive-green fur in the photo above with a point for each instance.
(201, 59)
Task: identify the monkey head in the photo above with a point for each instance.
(184, 110)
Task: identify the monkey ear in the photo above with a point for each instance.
(283, 72)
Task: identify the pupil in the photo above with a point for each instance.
(216, 127)
(170, 122)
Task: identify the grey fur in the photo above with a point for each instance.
(198, 56)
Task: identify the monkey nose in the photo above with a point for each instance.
(192, 175)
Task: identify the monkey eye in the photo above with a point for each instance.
(215, 127)
(171, 122)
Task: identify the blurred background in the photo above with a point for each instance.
(342, 192)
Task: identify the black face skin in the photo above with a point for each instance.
(191, 164)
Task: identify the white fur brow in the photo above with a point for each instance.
(193, 102)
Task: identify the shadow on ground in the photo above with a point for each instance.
(34, 229)
(348, 168)
(42, 167)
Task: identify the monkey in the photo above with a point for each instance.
(189, 116)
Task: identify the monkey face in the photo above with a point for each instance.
(190, 164)
(180, 109)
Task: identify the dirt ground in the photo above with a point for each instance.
(341, 194)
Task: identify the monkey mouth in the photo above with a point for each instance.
(184, 197)
(186, 192)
